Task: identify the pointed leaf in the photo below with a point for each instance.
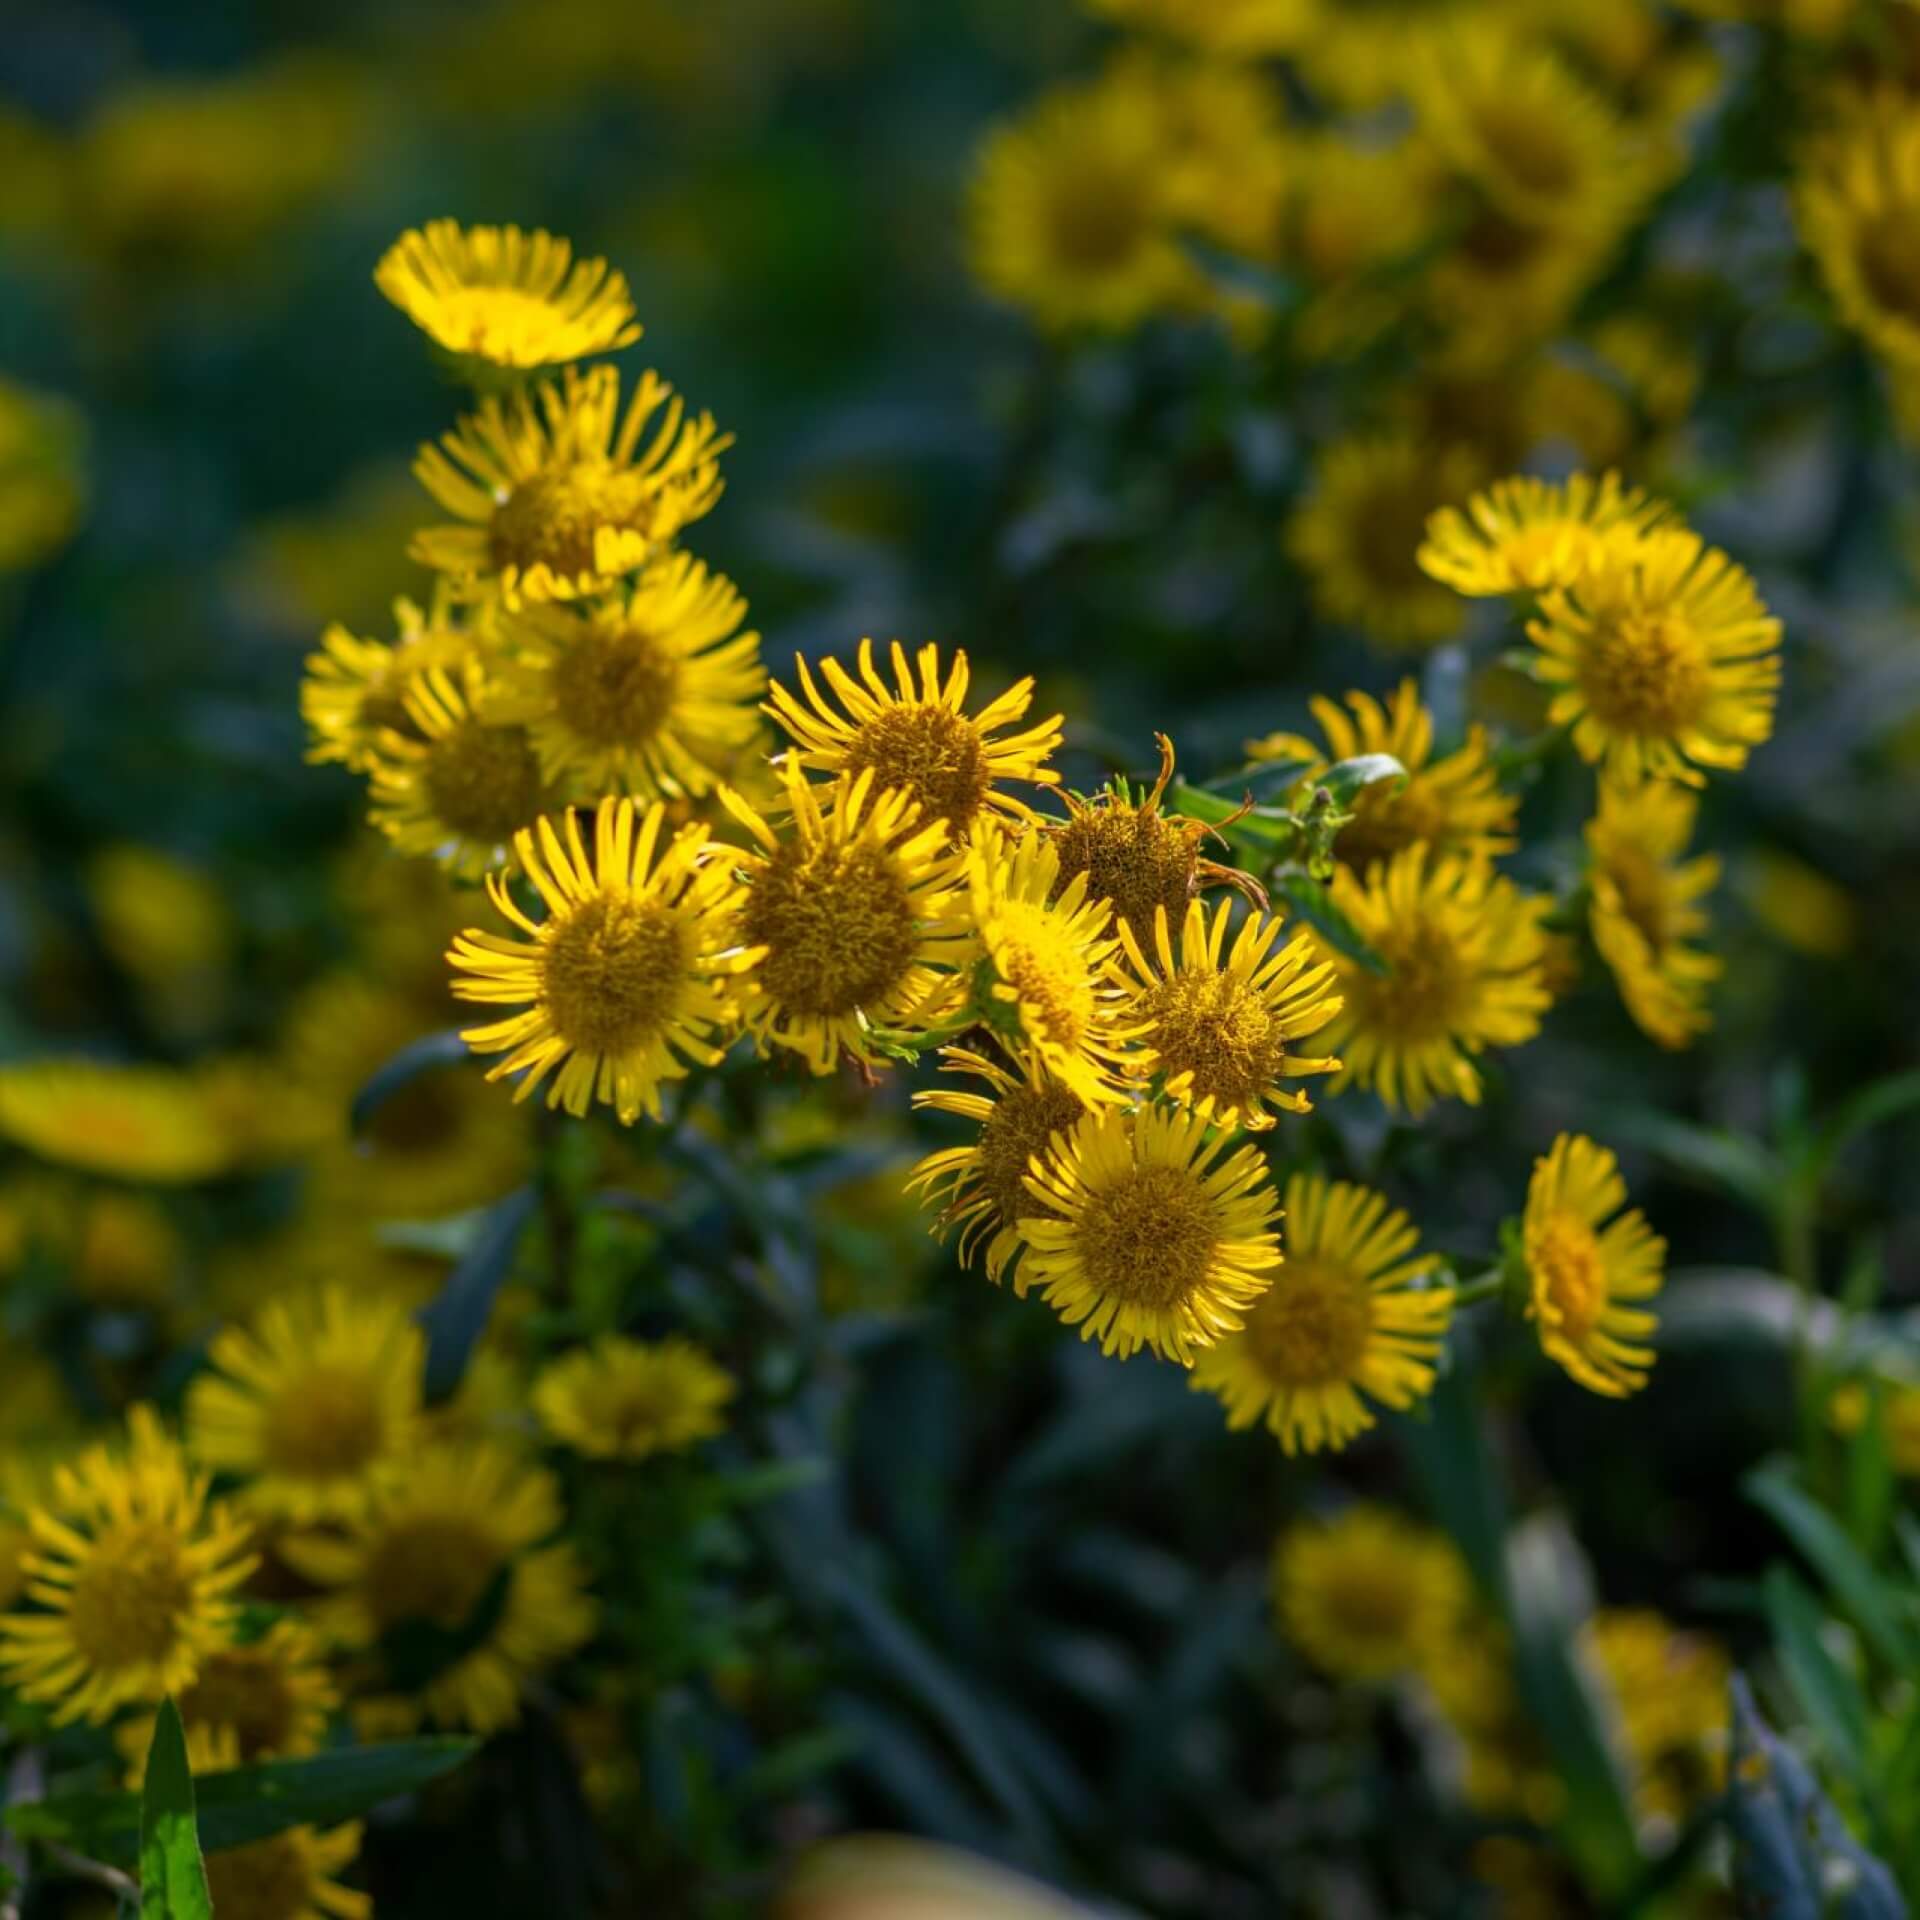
(1345, 778)
(173, 1877)
(432, 1053)
(1828, 1694)
(458, 1313)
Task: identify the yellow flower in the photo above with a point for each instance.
(1663, 658)
(982, 1189)
(920, 739)
(1669, 1693)
(1585, 1277)
(1858, 206)
(459, 785)
(132, 1571)
(165, 923)
(1452, 805)
(647, 693)
(1138, 858)
(622, 1399)
(850, 920)
(1362, 56)
(448, 1558)
(42, 478)
(1359, 529)
(1525, 535)
(1219, 1026)
(1799, 904)
(310, 1403)
(1463, 951)
(1246, 29)
(272, 1697)
(1366, 1594)
(356, 690)
(1644, 908)
(1346, 1319)
(623, 980)
(1148, 1236)
(132, 1123)
(558, 496)
(1068, 215)
(1048, 952)
(1847, 1414)
(509, 298)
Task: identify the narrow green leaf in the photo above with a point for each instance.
(1311, 900)
(1264, 826)
(173, 1877)
(1873, 1106)
(433, 1053)
(1345, 778)
(1855, 1587)
(1870, 1477)
(1829, 1696)
(1727, 1161)
(458, 1314)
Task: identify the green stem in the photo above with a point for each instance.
(1483, 1286)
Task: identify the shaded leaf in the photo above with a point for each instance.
(173, 1877)
(1871, 1107)
(1718, 1159)
(1829, 1696)
(458, 1313)
(432, 1053)
(1345, 778)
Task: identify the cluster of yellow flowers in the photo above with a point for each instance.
(877, 889)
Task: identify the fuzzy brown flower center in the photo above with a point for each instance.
(612, 971)
(838, 924)
(552, 517)
(615, 686)
(1645, 673)
(1023, 1121)
(1148, 1239)
(429, 1569)
(483, 783)
(935, 754)
(1311, 1327)
(129, 1596)
(1133, 856)
(1215, 1027)
(1888, 251)
(328, 1425)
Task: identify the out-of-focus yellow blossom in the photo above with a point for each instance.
(167, 927)
(557, 494)
(918, 736)
(132, 1123)
(1366, 1594)
(849, 919)
(1645, 907)
(1149, 1233)
(1850, 1408)
(1799, 904)
(43, 487)
(1668, 1689)
(130, 1579)
(344, 560)
(1345, 1321)
(355, 690)
(1247, 29)
(1463, 951)
(1070, 214)
(626, 980)
(1452, 805)
(621, 1399)
(1525, 535)
(1590, 1273)
(1357, 533)
(195, 173)
(1507, 1769)
(982, 1189)
(893, 1877)
(506, 298)
(453, 1544)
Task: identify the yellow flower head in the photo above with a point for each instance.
(1069, 213)
(1859, 211)
(458, 785)
(1662, 657)
(1366, 1594)
(164, 921)
(1138, 858)
(1849, 1409)
(309, 1403)
(1452, 805)
(1526, 535)
(1220, 1026)
(622, 1399)
(271, 1698)
(982, 1189)
(131, 1123)
(291, 1875)
(1346, 1320)
(1669, 1694)
(1048, 950)
(920, 738)
(1245, 29)
(1645, 907)
(356, 690)
(1464, 954)
(1359, 530)
(558, 496)
(42, 478)
(1588, 1278)
(648, 693)
(850, 919)
(131, 1577)
(509, 298)
(1149, 1233)
(623, 982)
(450, 1550)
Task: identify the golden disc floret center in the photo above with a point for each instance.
(611, 972)
(328, 1423)
(838, 924)
(1645, 673)
(616, 686)
(1148, 1239)
(935, 753)
(1566, 1257)
(483, 782)
(1311, 1328)
(128, 1599)
(431, 1569)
